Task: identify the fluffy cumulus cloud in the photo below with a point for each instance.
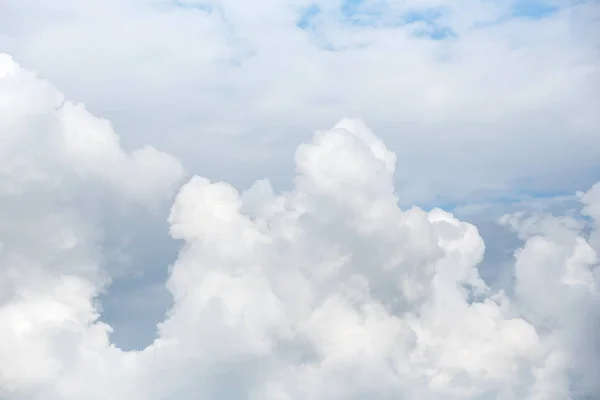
(328, 290)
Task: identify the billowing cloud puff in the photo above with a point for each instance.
(326, 291)
(60, 169)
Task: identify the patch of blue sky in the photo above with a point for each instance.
(307, 18)
(350, 7)
(355, 13)
(358, 13)
(435, 32)
(533, 9)
(524, 9)
(428, 16)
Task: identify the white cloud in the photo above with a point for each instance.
(506, 90)
(62, 172)
(326, 291)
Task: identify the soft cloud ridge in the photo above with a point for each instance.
(326, 291)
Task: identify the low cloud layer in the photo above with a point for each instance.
(326, 291)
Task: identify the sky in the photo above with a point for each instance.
(284, 200)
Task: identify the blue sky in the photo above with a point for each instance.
(359, 14)
(362, 13)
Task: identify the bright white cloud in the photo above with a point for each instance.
(326, 291)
